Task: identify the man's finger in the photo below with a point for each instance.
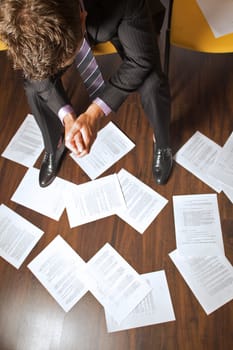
(72, 132)
(71, 146)
(79, 143)
(74, 141)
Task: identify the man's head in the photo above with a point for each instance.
(42, 35)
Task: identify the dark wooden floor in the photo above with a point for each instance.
(202, 99)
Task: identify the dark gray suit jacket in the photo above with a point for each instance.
(126, 23)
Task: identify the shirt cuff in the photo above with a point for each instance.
(105, 108)
(63, 111)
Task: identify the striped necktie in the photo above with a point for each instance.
(89, 70)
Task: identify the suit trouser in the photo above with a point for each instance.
(156, 102)
(48, 122)
(155, 97)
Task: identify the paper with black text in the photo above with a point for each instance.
(197, 225)
(210, 278)
(26, 145)
(110, 145)
(142, 203)
(197, 155)
(218, 14)
(93, 200)
(222, 169)
(47, 201)
(17, 236)
(114, 283)
(62, 272)
(155, 308)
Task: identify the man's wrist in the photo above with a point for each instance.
(69, 118)
(64, 111)
(95, 111)
(105, 108)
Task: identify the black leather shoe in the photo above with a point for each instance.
(162, 164)
(50, 166)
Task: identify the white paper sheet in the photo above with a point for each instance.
(47, 201)
(222, 169)
(197, 225)
(61, 271)
(155, 308)
(110, 145)
(219, 15)
(210, 278)
(197, 155)
(143, 204)
(93, 200)
(17, 236)
(115, 284)
(26, 145)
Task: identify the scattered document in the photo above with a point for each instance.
(143, 204)
(155, 308)
(93, 200)
(61, 271)
(210, 278)
(219, 15)
(115, 284)
(47, 201)
(197, 225)
(110, 145)
(197, 155)
(26, 145)
(17, 236)
(222, 169)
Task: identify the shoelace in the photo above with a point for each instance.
(160, 154)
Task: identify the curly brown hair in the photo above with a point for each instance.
(41, 35)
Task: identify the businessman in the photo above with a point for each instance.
(45, 37)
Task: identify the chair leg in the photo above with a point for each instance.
(167, 52)
(167, 39)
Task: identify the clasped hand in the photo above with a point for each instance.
(81, 132)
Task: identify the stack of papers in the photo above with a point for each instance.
(129, 300)
(200, 252)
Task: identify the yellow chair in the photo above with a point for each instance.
(187, 28)
(2, 46)
(104, 49)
